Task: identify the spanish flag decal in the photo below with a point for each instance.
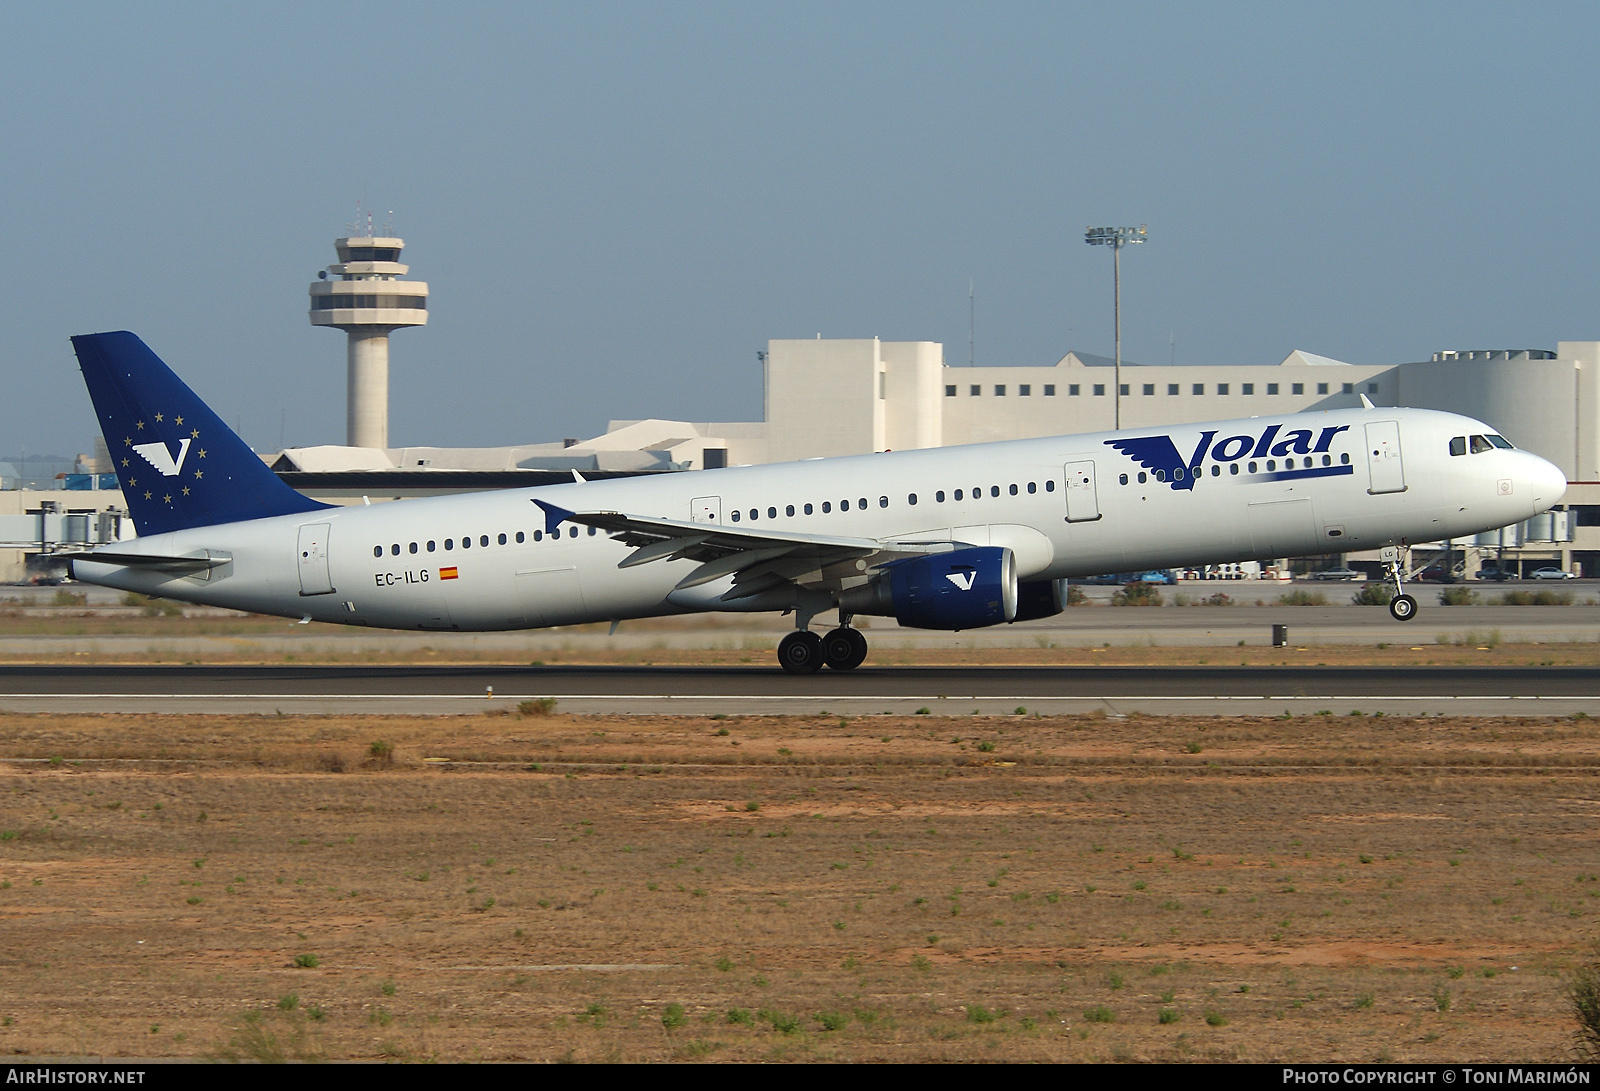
(448, 574)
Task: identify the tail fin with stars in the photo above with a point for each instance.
(179, 466)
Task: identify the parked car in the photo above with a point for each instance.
(1336, 574)
(1154, 575)
(1551, 574)
(1498, 575)
(1434, 574)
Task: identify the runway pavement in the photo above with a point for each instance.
(441, 690)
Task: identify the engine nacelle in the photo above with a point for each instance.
(1040, 598)
(963, 589)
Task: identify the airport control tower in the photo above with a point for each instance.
(364, 296)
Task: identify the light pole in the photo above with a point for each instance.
(1116, 238)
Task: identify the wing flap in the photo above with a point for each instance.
(757, 559)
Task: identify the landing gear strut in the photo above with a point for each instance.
(1402, 607)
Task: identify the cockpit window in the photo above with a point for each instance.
(1502, 443)
(1458, 445)
(1480, 445)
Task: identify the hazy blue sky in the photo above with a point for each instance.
(617, 205)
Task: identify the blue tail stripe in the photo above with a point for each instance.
(179, 466)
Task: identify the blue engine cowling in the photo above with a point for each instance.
(964, 589)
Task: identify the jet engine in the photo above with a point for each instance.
(963, 589)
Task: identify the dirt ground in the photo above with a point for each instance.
(551, 887)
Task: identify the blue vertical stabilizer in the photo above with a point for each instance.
(179, 466)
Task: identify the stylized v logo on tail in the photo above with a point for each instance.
(158, 456)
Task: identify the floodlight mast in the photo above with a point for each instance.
(1116, 238)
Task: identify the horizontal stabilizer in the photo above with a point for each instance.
(154, 562)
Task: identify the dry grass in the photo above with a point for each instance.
(880, 888)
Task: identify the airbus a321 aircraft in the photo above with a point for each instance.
(949, 538)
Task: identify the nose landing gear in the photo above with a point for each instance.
(1402, 607)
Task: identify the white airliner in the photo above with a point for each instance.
(948, 538)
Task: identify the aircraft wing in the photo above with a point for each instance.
(757, 559)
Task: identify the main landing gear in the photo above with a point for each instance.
(804, 652)
(1402, 607)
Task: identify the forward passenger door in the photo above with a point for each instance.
(1386, 467)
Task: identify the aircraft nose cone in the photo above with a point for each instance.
(1548, 482)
